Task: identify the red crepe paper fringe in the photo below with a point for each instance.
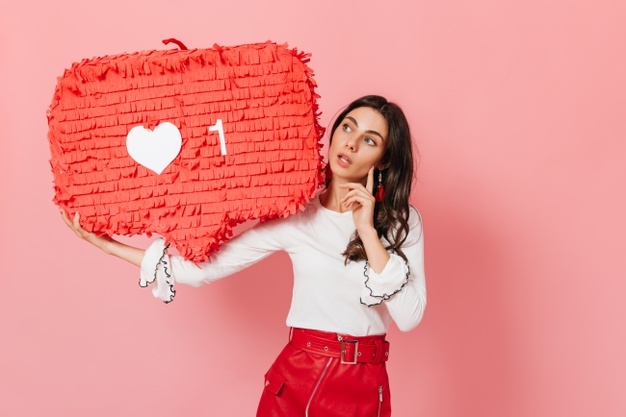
(265, 95)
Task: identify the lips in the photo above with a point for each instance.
(343, 160)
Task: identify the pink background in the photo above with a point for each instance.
(518, 108)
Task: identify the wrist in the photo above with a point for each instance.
(368, 233)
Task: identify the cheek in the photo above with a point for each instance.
(335, 142)
(376, 155)
(382, 152)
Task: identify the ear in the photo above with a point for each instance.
(382, 167)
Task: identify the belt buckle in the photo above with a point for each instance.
(343, 351)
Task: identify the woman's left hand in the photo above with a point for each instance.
(360, 200)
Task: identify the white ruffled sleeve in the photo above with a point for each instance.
(156, 271)
(400, 285)
(380, 287)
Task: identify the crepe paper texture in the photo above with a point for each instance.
(265, 163)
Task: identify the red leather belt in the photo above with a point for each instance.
(349, 349)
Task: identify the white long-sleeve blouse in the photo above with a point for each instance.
(328, 295)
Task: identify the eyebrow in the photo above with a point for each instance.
(373, 132)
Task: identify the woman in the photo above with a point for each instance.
(358, 265)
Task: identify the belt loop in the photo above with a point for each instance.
(290, 333)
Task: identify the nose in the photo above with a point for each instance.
(350, 143)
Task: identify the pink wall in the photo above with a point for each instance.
(518, 110)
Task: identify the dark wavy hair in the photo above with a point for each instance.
(392, 213)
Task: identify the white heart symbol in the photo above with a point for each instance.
(154, 149)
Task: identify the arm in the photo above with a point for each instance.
(242, 251)
(105, 243)
(388, 278)
(163, 270)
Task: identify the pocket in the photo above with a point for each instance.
(274, 382)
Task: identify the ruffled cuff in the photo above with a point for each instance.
(380, 287)
(155, 271)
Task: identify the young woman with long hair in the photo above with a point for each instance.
(357, 254)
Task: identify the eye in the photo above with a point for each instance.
(370, 141)
(346, 128)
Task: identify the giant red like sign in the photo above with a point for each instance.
(186, 143)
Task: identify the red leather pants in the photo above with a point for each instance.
(308, 380)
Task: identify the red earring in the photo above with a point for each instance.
(380, 190)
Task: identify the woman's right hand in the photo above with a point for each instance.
(101, 242)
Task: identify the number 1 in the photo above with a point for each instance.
(220, 129)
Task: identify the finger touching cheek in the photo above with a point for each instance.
(185, 143)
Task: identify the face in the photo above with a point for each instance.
(358, 143)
